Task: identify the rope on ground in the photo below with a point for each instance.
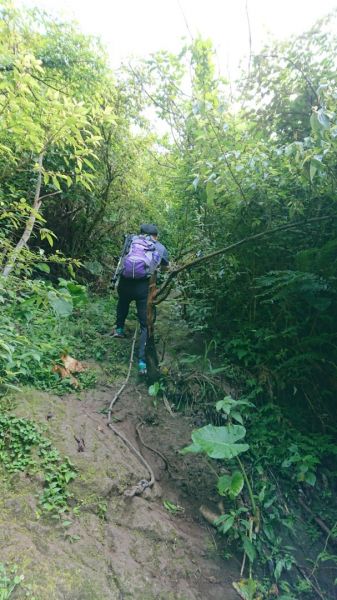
(116, 396)
(138, 489)
(164, 459)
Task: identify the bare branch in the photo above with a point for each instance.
(51, 194)
(206, 257)
(30, 223)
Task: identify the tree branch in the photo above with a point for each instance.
(51, 194)
(202, 259)
(30, 223)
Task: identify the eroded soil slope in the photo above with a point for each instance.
(115, 547)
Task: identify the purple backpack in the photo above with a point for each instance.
(142, 258)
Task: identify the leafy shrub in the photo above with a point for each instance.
(31, 329)
(268, 463)
(18, 440)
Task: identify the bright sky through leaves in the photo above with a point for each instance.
(139, 27)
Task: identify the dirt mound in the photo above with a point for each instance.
(114, 547)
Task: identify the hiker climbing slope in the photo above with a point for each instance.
(142, 255)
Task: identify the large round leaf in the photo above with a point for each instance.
(218, 442)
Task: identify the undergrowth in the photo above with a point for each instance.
(33, 331)
(90, 330)
(9, 581)
(277, 481)
(23, 448)
(39, 323)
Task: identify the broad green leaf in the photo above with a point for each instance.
(219, 442)
(262, 494)
(319, 121)
(88, 163)
(56, 182)
(230, 485)
(192, 448)
(224, 484)
(249, 549)
(224, 523)
(69, 476)
(77, 291)
(43, 267)
(62, 306)
(71, 270)
(314, 122)
(228, 403)
(237, 417)
(278, 569)
(237, 483)
(225, 405)
(323, 119)
(310, 478)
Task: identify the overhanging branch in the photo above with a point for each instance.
(164, 290)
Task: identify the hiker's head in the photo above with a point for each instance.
(149, 229)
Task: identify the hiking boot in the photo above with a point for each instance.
(142, 367)
(119, 333)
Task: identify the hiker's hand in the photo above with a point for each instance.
(113, 284)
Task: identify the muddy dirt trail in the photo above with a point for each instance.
(115, 547)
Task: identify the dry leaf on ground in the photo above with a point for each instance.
(71, 365)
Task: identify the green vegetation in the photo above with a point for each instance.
(243, 188)
(9, 580)
(279, 464)
(24, 448)
(172, 508)
(33, 332)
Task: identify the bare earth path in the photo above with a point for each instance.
(115, 548)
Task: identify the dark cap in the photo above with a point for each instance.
(149, 229)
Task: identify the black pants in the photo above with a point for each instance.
(138, 290)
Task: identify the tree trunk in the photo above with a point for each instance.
(152, 361)
(29, 225)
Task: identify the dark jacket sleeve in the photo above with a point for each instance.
(165, 261)
(163, 254)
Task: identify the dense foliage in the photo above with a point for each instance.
(247, 173)
(255, 175)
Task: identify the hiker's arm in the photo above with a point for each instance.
(165, 261)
